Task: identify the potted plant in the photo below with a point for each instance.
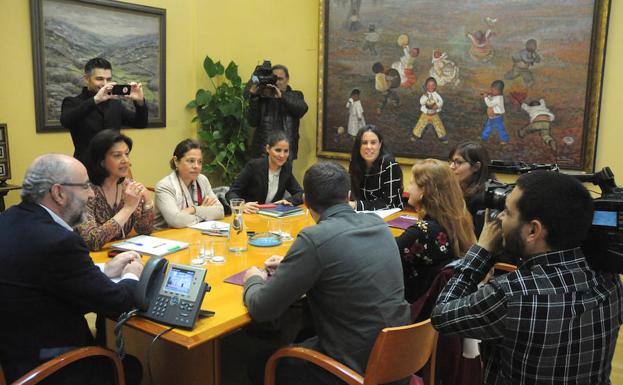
(223, 127)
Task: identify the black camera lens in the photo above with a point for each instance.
(496, 193)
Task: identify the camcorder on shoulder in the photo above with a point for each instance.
(603, 246)
(263, 77)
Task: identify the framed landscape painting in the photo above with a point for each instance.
(544, 58)
(67, 33)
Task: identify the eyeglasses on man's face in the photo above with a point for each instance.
(85, 186)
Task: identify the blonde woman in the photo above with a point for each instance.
(444, 232)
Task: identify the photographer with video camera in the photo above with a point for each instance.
(553, 320)
(273, 106)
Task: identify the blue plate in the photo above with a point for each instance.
(265, 240)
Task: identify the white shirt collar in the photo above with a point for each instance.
(57, 219)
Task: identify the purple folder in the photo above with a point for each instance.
(236, 279)
(402, 222)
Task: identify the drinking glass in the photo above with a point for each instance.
(237, 232)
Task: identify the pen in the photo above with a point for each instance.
(134, 243)
(174, 248)
(159, 245)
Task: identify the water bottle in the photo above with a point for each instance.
(237, 232)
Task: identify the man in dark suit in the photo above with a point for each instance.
(96, 108)
(47, 278)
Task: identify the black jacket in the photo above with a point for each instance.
(270, 114)
(83, 118)
(47, 283)
(252, 183)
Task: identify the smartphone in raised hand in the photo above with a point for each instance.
(121, 89)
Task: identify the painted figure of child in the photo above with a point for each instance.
(481, 49)
(370, 39)
(522, 61)
(384, 84)
(431, 103)
(355, 113)
(444, 70)
(541, 119)
(404, 65)
(494, 100)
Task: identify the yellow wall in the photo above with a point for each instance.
(247, 32)
(152, 147)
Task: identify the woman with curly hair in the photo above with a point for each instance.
(444, 231)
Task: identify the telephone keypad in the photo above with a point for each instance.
(160, 306)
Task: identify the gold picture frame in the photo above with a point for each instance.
(568, 76)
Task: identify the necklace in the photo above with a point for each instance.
(114, 203)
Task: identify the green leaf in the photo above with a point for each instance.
(192, 104)
(219, 68)
(241, 146)
(216, 135)
(203, 97)
(231, 73)
(220, 156)
(210, 67)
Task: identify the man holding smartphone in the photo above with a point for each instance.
(98, 106)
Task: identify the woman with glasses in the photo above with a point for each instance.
(469, 162)
(185, 196)
(375, 176)
(266, 179)
(120, 204)
(443, 232)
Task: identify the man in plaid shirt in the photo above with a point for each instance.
(552, 321)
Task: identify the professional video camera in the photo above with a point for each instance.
(603, 246)
(262, 77)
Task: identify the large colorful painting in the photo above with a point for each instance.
(67, 33)
(521, 76)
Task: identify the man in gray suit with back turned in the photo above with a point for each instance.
(349, 267)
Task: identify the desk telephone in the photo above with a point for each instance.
(171, 296)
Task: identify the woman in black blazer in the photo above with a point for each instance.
(266, 179)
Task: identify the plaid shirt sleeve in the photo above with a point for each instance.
(466, 310)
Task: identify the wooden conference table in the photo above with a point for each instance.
(192, 357)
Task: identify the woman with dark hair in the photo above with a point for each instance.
(375, 176)
(443, 233)
(266, 179)
(120, 204)
(185, 197)
(469, 161)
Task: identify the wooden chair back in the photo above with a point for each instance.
(48, 368)
(401, 351)
(398, 353)
(501, 266)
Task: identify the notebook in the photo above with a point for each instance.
(382, 213)
(237, 279)
(282, 211)
(148, 245)
(211, 225)
(403, 221)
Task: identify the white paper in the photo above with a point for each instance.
(145, 244)
(383, 213)
(211, 225)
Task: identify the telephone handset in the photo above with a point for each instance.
(170, 296)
